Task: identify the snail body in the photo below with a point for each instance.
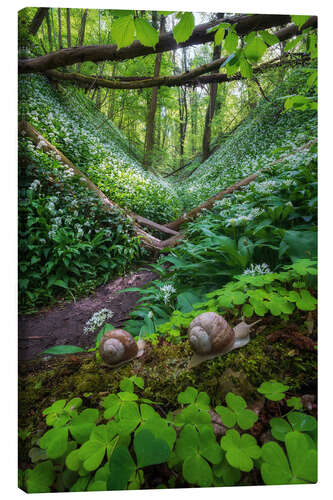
(210, 335)
(118, 347)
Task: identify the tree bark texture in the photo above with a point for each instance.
(96, 53)
(38, 19)
(49, 31)
(59, 29)
(68, 20)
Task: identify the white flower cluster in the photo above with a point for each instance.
(166, 292)
(34, 185)
(256, 269)
(242, 219)
(97, 320)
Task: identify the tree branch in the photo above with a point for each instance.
(96, 53)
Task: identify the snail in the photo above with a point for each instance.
(118, 347)
(210, 335)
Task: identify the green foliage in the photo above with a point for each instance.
(273, 390)
(85, 454)
(183, 29)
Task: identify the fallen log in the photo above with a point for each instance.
(146, 239)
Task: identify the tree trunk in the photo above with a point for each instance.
(68, 18)
(49, 31)
(38, 19)
(59, 29)
(149, 139)
(53, 30)
(96, 53)
(82, 32)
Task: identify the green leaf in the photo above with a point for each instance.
(269, 38)
(188, 396)
(188, 442)
(126, 385)
(240, 449)
(219, 35)
(146, 33)
(306, 302)
(245, 68)
(302, 422)
(246, 419)
(229, 474)
(303, 460)
(230, 42)
(255, 49)
(183, 30)
(275, 468)
(186, 300)
(129, 416)
(197, 471)
(279, 428)
(80, 485)
(82, 425)
(208, 447)
(202, 401)
(150, 450)
(61, 283)
(40, 478)
(247, 310)
(122, 468)
(63, 349)
(273, 390)
(295, 402)
(73, 461)
(160, 428)
(227, 416)
(123, 31)
(235, 403)
(127, 396)
(299, 20)
(92, 453)
(55, 442)
(112, 404)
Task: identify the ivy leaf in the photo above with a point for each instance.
(150, 450)
(123, 30)
(273, 390)
(146, 33)
(122, 467)
(183, 30)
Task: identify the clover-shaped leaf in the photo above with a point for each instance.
(273, 390)
(295, 402)
(55, 442)
(302, 422)
(240, 449)
(150, 450)
(229, 474)
(111, 404)
(236, 412)
(82, 425)
(279, 428)
(192, 415)
(300, 467)
(306, 302)
(122, 467)
(40, 478)
(197, 471)
(101, 440)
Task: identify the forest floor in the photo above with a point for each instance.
(63, 323)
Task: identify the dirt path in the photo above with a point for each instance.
(63, 324)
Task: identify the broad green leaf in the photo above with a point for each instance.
(129, 416)
(235, 403)
(247, 310)
(230, 42)
(302, 422)
(227, 416)
(126, 385)
(40, 478)
(202, 401)
(240, 450)
(92, 453)
(127, 396)
(299, 20)
(273, 390)
(146, 33)
(295, 402)
(188, 442)
(63, 349)
(121, 467)
(123, 31)
(275, 468)
(245, 68)
(197, 471)
(229, 474)
(219, 35)
(303, 460)
(112, 404)
(82, 425)
(160, 428)
(80, 485)
(188, 396)
(269, 38)
(279, 428)
(306, 302)
(56, 407)
(55, 442)
(150, 450)
(255, 49)
(183, 30)
(208, 447)
(73, 461)
(246, 419)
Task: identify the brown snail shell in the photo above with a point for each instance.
(118, 347)
(210, 335)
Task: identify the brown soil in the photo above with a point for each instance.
(63, 324)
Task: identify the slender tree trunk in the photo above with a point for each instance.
(69, 37)
(82, 32)
(112, 94)
(38, 19)
(213, 87)
(49, 31)
(149, 139)
(59, 29)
